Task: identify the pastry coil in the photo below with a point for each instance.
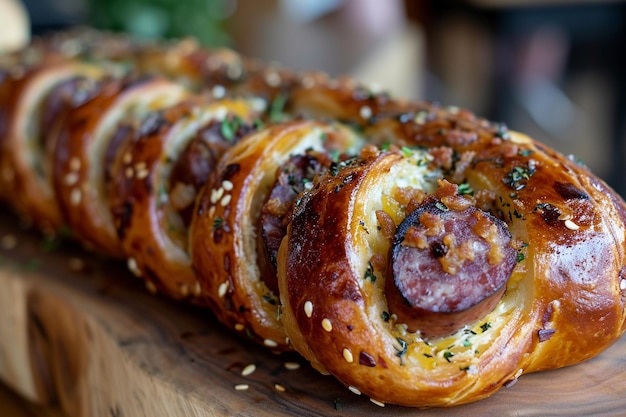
(179, 159)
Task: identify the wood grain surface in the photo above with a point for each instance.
(80, 334)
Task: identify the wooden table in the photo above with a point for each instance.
(81, 333)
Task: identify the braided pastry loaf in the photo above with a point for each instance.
(421, 255)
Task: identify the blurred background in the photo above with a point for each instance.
(550, 68)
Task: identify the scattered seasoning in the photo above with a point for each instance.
(248, 370)
(465, 189)
(407, 152)
(338, 404)
(485, 326)
(218, 222)
(464, 368)
(502, 131)
(385, 316)
(441, 206)
(354, 390)
(347, 355)
(223, 289)
(403, 349)
(327, 325)
(571, 225)
(277, 108)
(270, 343)
(545, 334)
(308, 309)
(241, 387)
(447, 355)
(520, 257)
(279, 388)
(378, 403)
(369, 273)
(292, 366)
(525, 152)
(229, 127)
(518, 176)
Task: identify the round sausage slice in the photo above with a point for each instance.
(448, 267)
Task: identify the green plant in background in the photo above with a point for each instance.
(203, 19)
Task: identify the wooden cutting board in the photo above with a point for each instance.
(81, 334)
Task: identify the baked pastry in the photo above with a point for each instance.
(422, 295)
(157, 171)
(421, 255)
(227, 235)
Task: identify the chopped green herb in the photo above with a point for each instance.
(464, 368)
(518, 176)
(403, 348)
(268, 298)
(369, 273)
(338, 404)
(447, 355)
(385, 316)
(277, 108)
(441, 206)
(467, 343)
(465, 189)
(218, 222)
(385, 146)
(485, 326)
(525, 152)
(428, 355)
(520, 257)
(407, 152)
(229, 127)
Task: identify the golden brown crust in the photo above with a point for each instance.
(79, 160)
(153, 235)
(568, 279)
(564, 300)
(223, 238)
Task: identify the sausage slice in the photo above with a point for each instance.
(448, 267)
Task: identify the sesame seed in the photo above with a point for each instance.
(239, 327)
(212, 211)
(127, 158)
(129, 172)
(218, 91)
(571, 225)
(76, 264)
(354, 390)
(279, 388)
(140, 166)
(9, 242)
(75, 197)
(248, 370)
(225, 200)
(365, 112)
(241, 387)
(216, 194)
(565, 216)
(308, 309)
(133, 267)
(223, 288)
(347, 355)
(453, 109)
(272, 78)
(151, 287)
(75, 163)
(141, 174)
(327, 325)
(197, 289)
(622, 284)
(270, 343)
(378, 403)
(292, 366)
(227, 185)
(71, 178)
